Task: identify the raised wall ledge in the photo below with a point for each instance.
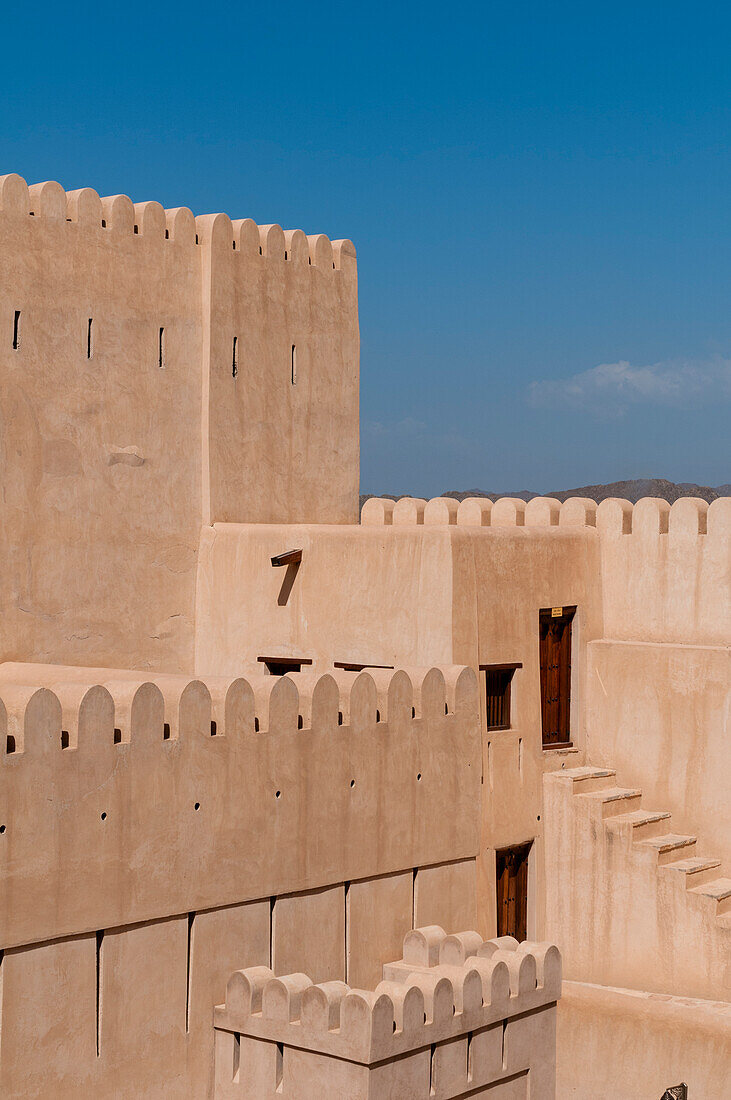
(118, 214)
(688, 517)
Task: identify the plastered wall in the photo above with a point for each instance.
(617, 1042)
(138, 870)
(665, 570)
(658, 715)
(393, 593)
(117, 441)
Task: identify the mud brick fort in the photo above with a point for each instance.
(427, 802)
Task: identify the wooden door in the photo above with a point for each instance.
(512, 891)
(555, 646)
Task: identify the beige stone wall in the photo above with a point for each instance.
(658, 715)
(454, 1017)
(278, 451)
(619, 1043)
(126, 827)
(112, 463)
(665, 570)
(397, 593)
(101, 501)
(622, 913)
(138, 870)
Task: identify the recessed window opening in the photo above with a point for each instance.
(235, 357)
(498, 680)
(214, 729)
(65, 740)
(161, 349)
(10, 744)
(137, 229)
(104, 223)
(167, 234)
(294, 364)
(16, 330)
(166, 731)
(90, 338)
(117, 736)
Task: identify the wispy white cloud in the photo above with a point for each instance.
(612, 387)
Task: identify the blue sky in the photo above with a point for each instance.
(540, 196)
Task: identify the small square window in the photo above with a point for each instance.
(498, 679)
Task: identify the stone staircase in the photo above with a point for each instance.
(649, 832)
(630, 901)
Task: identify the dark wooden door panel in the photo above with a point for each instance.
(555, 662)
(512, 891)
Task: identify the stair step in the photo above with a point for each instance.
(614, 800)
(697, 869)
(643, 823)
(667, 845)
(719, 890)
(586, 778)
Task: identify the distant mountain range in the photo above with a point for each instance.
(628, 490)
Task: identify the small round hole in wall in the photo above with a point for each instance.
(538, 818)
(352, 782)
(278, 794)
(104, 815)
(418, 777)
(2, 828)
(197, 806)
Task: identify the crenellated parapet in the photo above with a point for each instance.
(686, 517)
(455, 1014)
(118, 214)
(130, 799)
